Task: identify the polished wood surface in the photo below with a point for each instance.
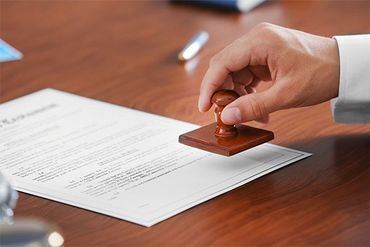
(124, 52)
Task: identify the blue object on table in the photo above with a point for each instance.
(8, 53)
(241, 5)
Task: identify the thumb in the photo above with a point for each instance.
(249, 107)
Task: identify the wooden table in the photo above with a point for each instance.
(124, 52)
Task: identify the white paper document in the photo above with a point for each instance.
(118, 161)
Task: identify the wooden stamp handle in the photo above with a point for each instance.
(222, 98)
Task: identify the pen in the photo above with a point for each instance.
(193, 46)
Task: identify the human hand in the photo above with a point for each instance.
(302, 68)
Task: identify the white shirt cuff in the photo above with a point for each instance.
(353, 102)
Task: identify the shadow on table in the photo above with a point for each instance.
(341, 148)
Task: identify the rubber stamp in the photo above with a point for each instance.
(225, 139)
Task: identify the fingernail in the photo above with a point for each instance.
(231, 115)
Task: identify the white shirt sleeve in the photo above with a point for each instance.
(353, 102)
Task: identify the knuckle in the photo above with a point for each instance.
(264, 25)
(255, 107)
(269, 31)
(239, 42)
(219, 56)
(214, 60)
(259, 108)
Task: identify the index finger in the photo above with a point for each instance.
(233, 58)
(212, 80)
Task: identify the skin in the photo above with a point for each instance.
(303, 70)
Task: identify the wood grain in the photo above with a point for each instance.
(124, 52)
